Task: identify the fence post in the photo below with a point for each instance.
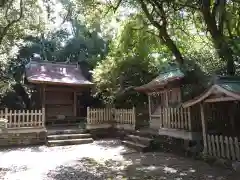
(6, 113)
(134, 117)
(43, 117)
(88, 113)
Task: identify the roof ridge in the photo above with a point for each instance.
(55, 63)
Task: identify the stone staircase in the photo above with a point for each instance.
(68, 137)
(138, 141)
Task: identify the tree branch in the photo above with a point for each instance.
(10, 24)
(2, 3)
(162, 30)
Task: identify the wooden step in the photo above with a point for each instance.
(68, 136)
(65, 131)
(69, 142)
(141, 138)
(138, 147)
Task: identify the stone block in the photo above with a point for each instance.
(27, 138)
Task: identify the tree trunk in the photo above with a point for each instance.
(220, 43)
(164, 36)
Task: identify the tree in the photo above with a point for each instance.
(219, 18)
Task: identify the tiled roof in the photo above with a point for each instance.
(55, 73)
(228, 85)
(163, 79)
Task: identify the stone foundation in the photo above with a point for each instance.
(20, 137)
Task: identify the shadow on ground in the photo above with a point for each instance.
(160, 166)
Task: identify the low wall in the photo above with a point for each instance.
(23, 137)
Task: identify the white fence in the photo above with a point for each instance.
(172, 118)
(108, 117)
(23, 118)
(223, 147)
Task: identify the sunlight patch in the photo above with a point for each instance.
(169, 170)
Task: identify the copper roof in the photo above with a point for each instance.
(227, 85)
(55, 73)
(162, 79)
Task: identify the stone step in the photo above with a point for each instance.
(139, 139)
(67, 136)
(136, 146)
(65, 131)
(69, 142)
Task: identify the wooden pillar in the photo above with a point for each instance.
(43, 96)
(204, 127)
(75, 104)
(149, 109)
(166, 100)
(231, 115)
(149, 105)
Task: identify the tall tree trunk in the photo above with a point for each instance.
(220, 43)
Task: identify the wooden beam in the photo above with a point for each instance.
(204, 126)
(220, 99)
(61, 89)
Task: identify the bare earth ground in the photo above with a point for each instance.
(102, 160)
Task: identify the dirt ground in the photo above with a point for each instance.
(102, 160)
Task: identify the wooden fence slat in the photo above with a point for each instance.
(236, 143)
(227, 147)
(182, 118)
(233, 156)
(209, 145)
(218, 147)
(104, 115)
(189, 119)
(213, 145)
(222, 146)
(171, 117)
(20, 118)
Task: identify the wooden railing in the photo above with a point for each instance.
(223, 147)
(124, 116)
(174, 118)
(23, 118)
(99, 116)
(120, 118)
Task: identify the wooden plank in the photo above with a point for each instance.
(236, 143)
(149, 105)
(213, 146)
(219, 99)
(171, 118)
(233, 155)
(186, 119)
(178, 118)
(217, 146)
(227, 147)
(222, 146)
(134, 117)
(43, 117)
(10, 118)
(209, 148)
(203, 127)
(189, 120)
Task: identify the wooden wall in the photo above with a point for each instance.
(59, 100)
(59, 103)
